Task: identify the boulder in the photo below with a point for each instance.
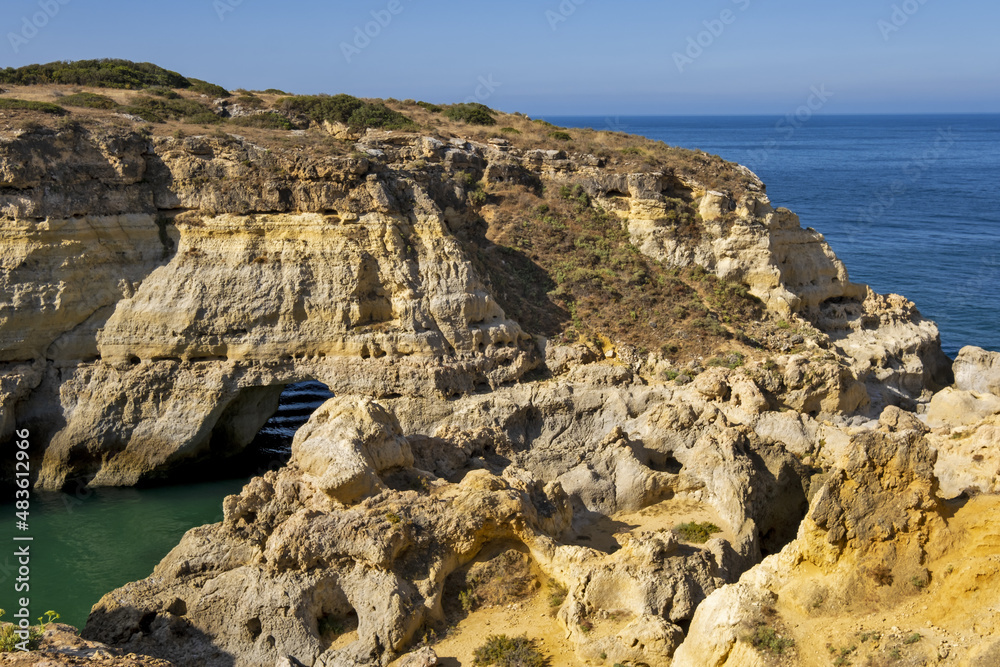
(977, 370)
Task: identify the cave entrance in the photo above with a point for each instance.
(254, 433)
(272, 446)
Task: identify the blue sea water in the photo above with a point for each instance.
(909, 203)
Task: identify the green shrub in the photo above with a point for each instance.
(274, 91)
(766, 639)
(478, 196)
(731, 361)
(345, 109)
(156, 110)
(472, 113)
(89, 100)
(264, 121)
(9, 639)
(28, 105)
(433, 108)
(250, 100)
(696, 532)
(509, 130)
(163, 92)
(104, 73)
(205, 118)
(206, 88)
(504, 651)
(561, 136)
(912, 639)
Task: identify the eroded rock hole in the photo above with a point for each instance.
(664, 463)
(253, 628)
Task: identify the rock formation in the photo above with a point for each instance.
(158, 294)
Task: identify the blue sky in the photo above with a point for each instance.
(551, 56)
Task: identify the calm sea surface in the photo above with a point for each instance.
(909, 203)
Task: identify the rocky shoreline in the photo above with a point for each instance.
(160, 292)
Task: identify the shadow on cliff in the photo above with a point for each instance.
(167, 635)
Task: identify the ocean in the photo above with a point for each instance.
(908, 202)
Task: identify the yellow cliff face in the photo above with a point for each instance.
(139, 266)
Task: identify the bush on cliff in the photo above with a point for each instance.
(472, 113)
(104, 73)
(89, 101)
(29, 105)
(156, 110)
(265, 121)
(345, 109)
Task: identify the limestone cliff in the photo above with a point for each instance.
(154, 288)
(542, 358)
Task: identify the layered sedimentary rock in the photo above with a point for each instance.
(157, 292)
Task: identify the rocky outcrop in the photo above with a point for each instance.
(60, 646)
(364, 523)
(965, 426)
(876, 539)
(158, 294)
(977, 370)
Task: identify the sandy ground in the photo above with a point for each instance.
(663, 515)
(532, 617)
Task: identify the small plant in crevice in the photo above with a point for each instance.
(696, 532)
(504, 651)
(330, 625)
(557, 593)
(467, 599)
(11, 640)
(766, 639)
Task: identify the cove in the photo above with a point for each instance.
(96, 540)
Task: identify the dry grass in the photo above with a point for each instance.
(566, 269)
(622, 152)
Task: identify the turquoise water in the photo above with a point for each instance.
(90, 543)
(908, 202)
